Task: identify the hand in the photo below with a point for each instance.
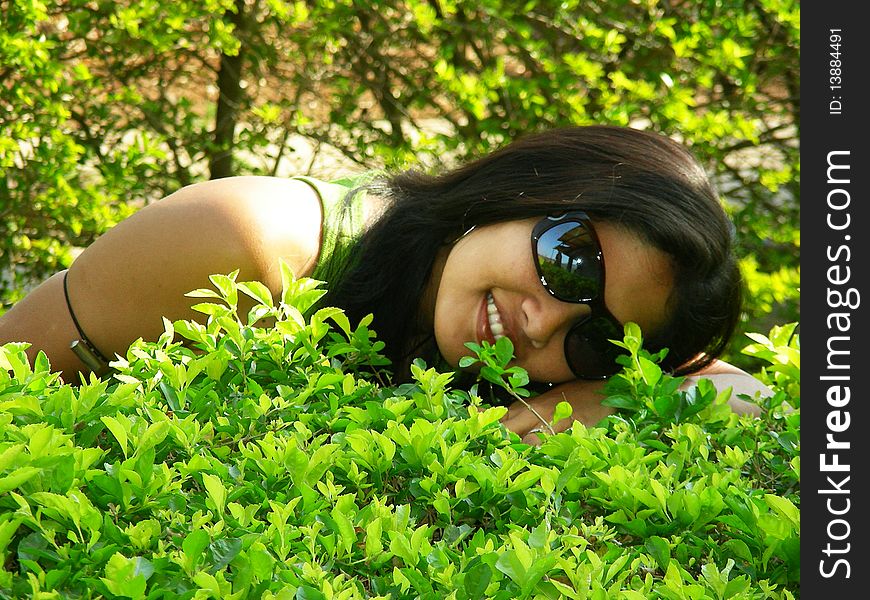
(584, 396)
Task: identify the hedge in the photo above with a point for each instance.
(266, 456)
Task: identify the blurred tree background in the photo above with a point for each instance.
(109, 104)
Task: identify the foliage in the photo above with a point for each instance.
(249, 459)
(110, 104)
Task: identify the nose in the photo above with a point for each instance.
(546, 318)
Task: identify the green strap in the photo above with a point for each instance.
(343, 222)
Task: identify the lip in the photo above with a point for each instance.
(483, 330)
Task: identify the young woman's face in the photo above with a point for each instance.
(493, 265)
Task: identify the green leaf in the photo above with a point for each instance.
(223, 551)
(477, 579)
(660, 551)
(504, 351)
(257, 291)
(739, 549)
(17, 477)
(510, 564)
(216, 491)
(467, 361)
(203, 293)
(374, 545)
(208, 583)
(563, 410)
(784, 507)
(344, 529)
(651, 372)
(8, 527)
(226, 285)
(538, 536)
(154, 435)
(118, 430)
(621, 401)
(127, 577)
(306, 592)
(194, 546)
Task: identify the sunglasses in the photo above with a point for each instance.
(570, 264)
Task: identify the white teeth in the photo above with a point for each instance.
(494, 318)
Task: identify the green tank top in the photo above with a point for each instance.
(343, 224)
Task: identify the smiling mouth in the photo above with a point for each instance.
(493, 318)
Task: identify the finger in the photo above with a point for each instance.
(563, 425)
(517, 410)
(533, 438)
(537, 434)
(521, 423)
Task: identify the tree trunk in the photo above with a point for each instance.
(230, 95)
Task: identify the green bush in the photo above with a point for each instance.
(255, 461)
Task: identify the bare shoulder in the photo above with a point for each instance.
(267, 218)
(121, 286)
(725, 375)
(218, 226)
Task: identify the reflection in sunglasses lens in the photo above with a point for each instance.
(569, 262)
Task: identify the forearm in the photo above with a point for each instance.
(585, 398)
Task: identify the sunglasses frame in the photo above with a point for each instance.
(597, 307)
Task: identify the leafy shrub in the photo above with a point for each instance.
(260, 459)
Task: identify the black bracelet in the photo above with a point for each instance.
(83, 348)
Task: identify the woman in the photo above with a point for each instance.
(516, 243)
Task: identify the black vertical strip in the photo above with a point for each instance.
(835, 458)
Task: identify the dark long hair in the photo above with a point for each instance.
(641, 181)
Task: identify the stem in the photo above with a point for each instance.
(531, 409)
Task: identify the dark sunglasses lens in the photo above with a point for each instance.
(570, 262)
(589, 351)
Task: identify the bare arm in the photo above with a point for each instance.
(139, 271)
(586, 396)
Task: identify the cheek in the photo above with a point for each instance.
(453, 322)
